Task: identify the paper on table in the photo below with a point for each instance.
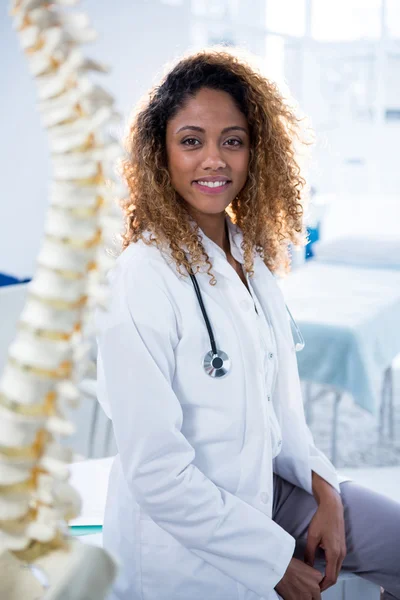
(90, 478)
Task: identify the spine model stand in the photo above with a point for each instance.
(49, 356)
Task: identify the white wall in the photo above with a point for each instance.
(24, 164)
(353, 154)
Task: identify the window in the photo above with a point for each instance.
(393, 18)
(173, 2)
(214, 9)
(346, 19)
(275, 58)
(286, 16)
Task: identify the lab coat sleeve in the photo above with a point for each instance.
(137, 351)
(321, 465)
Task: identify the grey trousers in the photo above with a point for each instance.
(372, 530)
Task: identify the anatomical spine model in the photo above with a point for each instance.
(49, 355)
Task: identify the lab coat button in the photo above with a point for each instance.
(264, 497)
(269, 398)
(245, 304)
(270, 355)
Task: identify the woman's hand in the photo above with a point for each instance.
(327, 530)
(300, 582)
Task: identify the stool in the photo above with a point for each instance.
(352, 587)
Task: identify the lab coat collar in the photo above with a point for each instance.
(216, 253)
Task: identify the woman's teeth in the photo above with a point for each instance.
(212, 183)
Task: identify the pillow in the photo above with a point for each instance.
(367, 251)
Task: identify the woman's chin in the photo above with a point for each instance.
(211, 206)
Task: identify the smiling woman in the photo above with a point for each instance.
(215, 134)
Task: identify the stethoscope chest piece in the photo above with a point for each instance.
(217, 364)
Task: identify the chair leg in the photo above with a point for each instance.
(382, 411)
(308, 401)
(337, 399)
(391, 404)
(386, 413)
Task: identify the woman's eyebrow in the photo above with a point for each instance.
(201, 130)
(234, 128)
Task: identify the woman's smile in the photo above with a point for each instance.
(212, 185)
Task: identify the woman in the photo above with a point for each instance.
(217, 480)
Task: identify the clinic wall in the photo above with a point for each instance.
(135, 39)
(353, 154)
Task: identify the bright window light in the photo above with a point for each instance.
(334, 20)
(286, 16)
(213, 9)
(393, 18)
(173, 2)
(274, 65)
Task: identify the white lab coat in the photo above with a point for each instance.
(191, 490)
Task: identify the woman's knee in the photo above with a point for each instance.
(372, 523)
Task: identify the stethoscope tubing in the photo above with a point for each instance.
(204, 312)
(299, 346)
(220, 354)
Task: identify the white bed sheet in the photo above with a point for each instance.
(350, 319)
(375, 252)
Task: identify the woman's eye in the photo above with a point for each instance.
(235, 141)
(189, 142)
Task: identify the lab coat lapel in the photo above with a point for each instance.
(217, 255)
(220, 264)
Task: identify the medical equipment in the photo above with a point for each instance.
(299, 345)
(216, 363)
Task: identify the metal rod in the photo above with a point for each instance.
(337, 399)
(382, 410)
(391, 415)
(308, 402)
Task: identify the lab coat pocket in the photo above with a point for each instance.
(170, 571)
(245, 594)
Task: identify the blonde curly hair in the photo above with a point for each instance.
(269, 207)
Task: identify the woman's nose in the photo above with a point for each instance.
(213, 159)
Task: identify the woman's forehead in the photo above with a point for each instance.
(208, 108)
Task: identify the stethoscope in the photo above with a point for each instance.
(216, 362)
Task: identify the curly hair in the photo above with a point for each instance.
(268, 209)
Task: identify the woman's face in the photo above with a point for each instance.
(208, 149)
